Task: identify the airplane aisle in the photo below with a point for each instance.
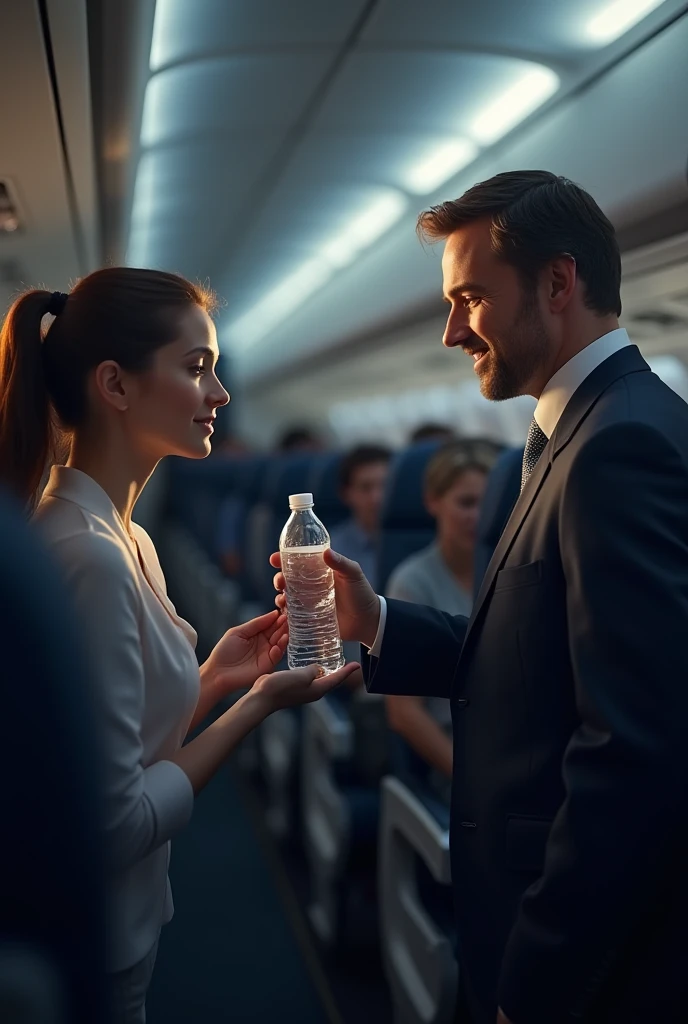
(230, 933)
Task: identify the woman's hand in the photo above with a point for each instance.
(298, 686)
(246, 652)
(358, 606)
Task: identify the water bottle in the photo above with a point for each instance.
(313, 628)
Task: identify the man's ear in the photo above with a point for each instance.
(561, 283)
(110, 385)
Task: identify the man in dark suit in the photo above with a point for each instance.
(569, 683)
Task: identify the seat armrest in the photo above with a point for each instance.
(418, 956)
(327, 740)
(330, 728)
(406, 814)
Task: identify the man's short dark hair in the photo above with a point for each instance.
(362, 455)
(537, 216)
(297, 437)
(430, 431)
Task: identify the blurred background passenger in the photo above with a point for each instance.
(362, 481)
(440, 575)
(431, 432)
(299, 439)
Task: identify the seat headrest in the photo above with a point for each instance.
(325, 488)
(289, 474)
(404, 508)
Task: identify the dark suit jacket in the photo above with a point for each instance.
(503, 487)
(569, 693)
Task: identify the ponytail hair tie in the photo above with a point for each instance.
(57, 303)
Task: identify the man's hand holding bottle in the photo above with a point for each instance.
(358, 606)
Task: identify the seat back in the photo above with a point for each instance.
(324, 484)
(196, 490)
(406, 525)
(257, 531)
(52, 926)
(291, 475)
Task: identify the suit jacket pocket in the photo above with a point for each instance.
(519, 575)
(526, 839)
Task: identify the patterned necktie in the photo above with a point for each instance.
(535, 446)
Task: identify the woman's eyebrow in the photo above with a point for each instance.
(205, 349)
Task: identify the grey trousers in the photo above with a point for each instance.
(128, 991)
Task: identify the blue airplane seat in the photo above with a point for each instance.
(413, 771)
(233, 512)
(414, 823)
(196, 490)
(324, 484)
(406, 525)
(255, 487)
(52, 902)
(288, 474)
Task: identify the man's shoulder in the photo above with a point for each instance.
(638, 402)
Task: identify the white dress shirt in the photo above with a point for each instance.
(555, 397)
(146, 685)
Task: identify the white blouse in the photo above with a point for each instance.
(146, 685)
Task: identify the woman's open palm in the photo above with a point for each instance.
(248, 651)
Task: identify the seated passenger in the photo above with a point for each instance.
(362, 480)
(299, 439)
(431, 432)
(440, 575)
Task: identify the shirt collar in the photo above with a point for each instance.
(560, 389)
(82, 490)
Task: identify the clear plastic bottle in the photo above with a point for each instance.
(313, 629)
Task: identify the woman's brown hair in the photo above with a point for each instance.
(118, 313)
(452, 460)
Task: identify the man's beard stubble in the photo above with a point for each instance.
(508, 375)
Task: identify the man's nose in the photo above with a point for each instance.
(457, 332)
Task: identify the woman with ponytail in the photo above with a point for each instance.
(123, 375)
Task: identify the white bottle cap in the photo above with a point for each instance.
(297, 501)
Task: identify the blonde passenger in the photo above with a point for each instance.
(440, 575)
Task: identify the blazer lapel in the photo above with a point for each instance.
(511, 530)
(627, 360)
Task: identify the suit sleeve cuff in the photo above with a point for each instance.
(171, 797)
(375, 650)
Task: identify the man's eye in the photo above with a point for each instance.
(471, 302)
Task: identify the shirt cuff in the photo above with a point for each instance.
(171, 796)
(374, 651)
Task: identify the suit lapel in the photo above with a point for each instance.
(627, 360)
(511, 530)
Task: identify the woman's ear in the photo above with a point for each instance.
(110, 385)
